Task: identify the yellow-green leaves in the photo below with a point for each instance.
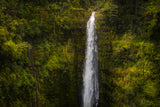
(13, 25)
(150, 88)
(14, 49)
(153, 6)
(3, 34)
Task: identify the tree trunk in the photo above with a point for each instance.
(35, 74)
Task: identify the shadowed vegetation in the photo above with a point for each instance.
(42, 47)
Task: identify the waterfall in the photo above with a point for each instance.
(90, 73)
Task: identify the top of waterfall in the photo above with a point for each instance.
(93, 13)
(92, 18)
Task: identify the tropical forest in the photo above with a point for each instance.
(79, 53)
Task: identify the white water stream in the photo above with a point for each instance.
(90, 73)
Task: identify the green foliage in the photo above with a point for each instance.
(47, 38)
(128, 43)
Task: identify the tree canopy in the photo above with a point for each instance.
(42, 49)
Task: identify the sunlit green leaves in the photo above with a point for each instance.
(153, 6)
(3, 34)
(14, 49)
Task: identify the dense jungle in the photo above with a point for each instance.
(42, 52)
